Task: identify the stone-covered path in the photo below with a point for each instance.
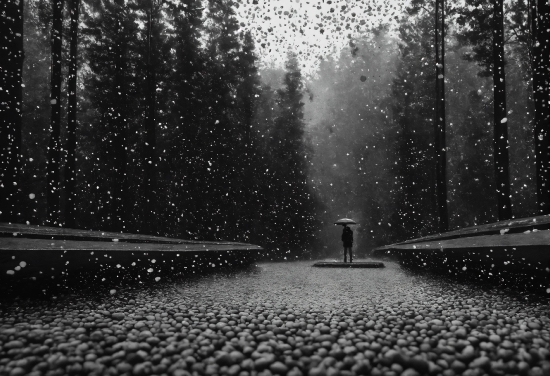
(281, 318)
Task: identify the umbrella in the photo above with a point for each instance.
(345, 221)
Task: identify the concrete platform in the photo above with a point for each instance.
(337, 264)
(61, 256)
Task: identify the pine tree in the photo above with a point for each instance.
(540, 22)
(188, 111)
(220, 123)
(440, 10)
(500, 121)
(291, 210)
(111, 38)
(473, 202)
(152, 43)
(36, 111)
(485, 33)
(70, 163)
(11, 97)
(245, 149)
(413, 101)
(53, 175)
(440, 146)
(263, 121)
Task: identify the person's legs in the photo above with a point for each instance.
(350, 255)
(346, 250)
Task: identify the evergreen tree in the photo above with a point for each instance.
(264, 115)
(11, 98)
(53, 175)
(440, 146)
(476, 21)
(152, 69)
(111, 35)
(500, 117)
(291, 208)
(70, 149)
(472, 198)
(245, 149)
(413, 100)
(540, 23)
(36, 111)
(187, 109)
(220, 123)
(483, 29)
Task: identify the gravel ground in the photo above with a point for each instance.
(281, 318)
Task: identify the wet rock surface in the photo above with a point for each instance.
(281, 319)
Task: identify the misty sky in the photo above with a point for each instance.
(314, 29)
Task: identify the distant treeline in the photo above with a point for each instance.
(168, 131)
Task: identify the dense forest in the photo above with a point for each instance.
(379, 99)
(158, 117)
(170, 137)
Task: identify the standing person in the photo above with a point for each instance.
(347, 239)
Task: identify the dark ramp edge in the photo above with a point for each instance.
(42, 255)
(11, 230)
(511, 226)
(517, 260)
(324, 264)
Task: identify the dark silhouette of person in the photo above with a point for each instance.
(347, 239)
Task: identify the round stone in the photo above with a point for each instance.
(278, 368)
(495, 338)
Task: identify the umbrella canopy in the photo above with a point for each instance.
(345, 221)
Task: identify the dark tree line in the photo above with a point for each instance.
(480, 28)
(177, 135)
(483, 28)
(527, 22)
(161, 132)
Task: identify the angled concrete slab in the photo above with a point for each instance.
(58, 255)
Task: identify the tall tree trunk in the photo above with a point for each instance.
(439, 129)
(54, 148)
(539, 35)
(150, 132)
(437, 147)
(119, 125)
(502, 175)
(11, 95)
(70, 166)
(443, 211)
(544, 18)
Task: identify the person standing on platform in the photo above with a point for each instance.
(347, 239)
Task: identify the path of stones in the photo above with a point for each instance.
(281, 318)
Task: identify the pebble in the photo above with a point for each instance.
(278, 368)
(481, 362)
(118, 316)
(495, 338)
(282, 319)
